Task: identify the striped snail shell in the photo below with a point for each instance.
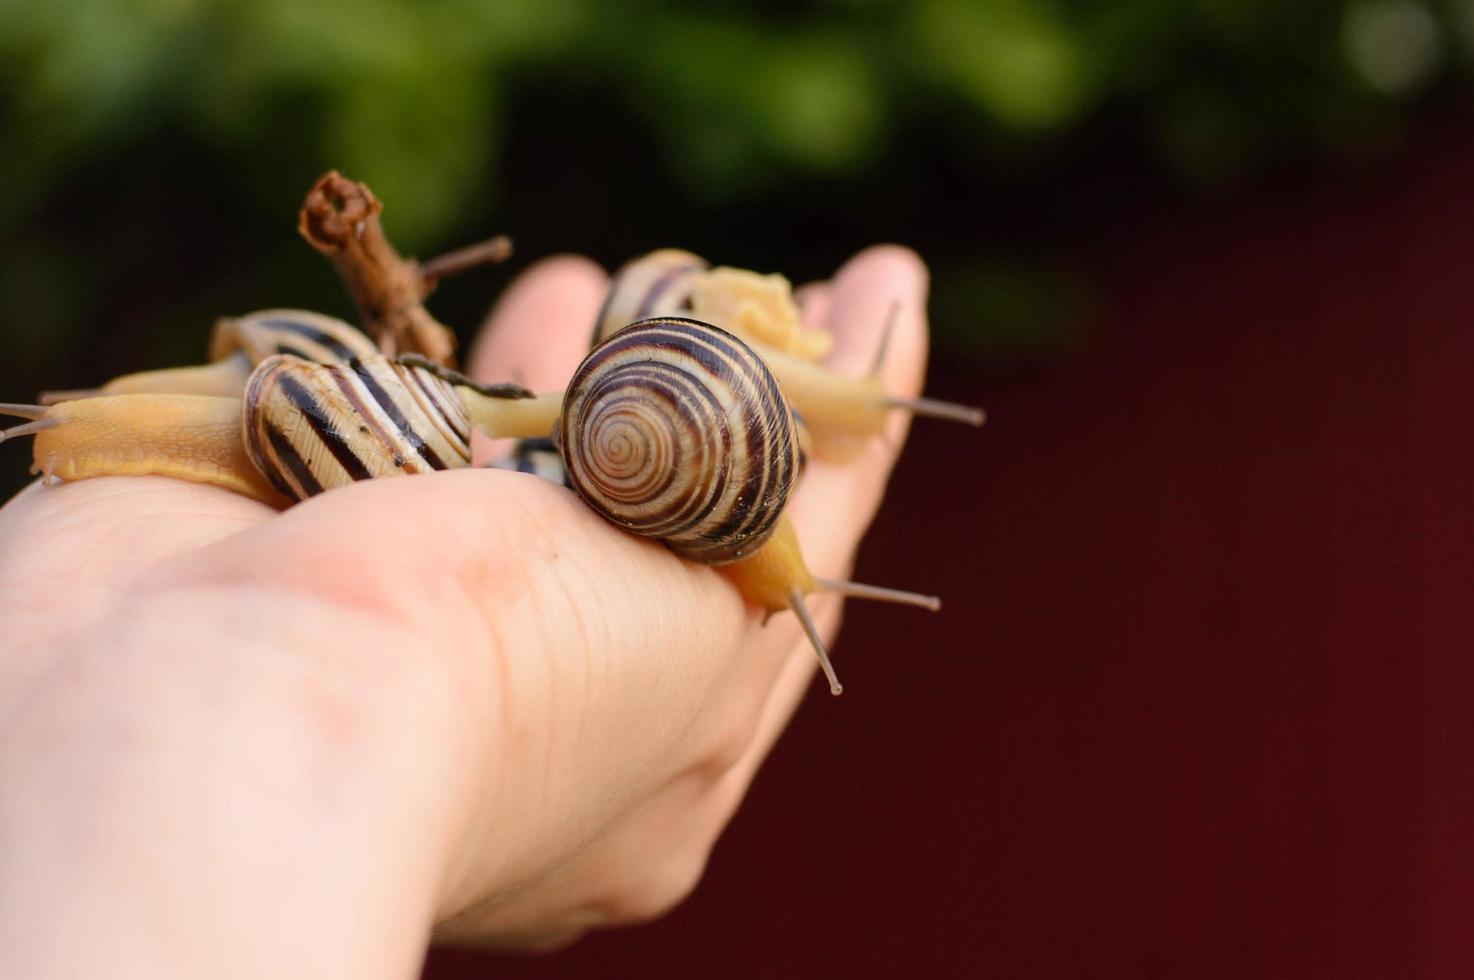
(670, 282)
(310, 336)
(674, 429)
(313, 427)
(657, 284)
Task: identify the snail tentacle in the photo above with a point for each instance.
(932, 408)
(796, 603)
(676, 430)
(886, 333)
(40, 416)
(24, 411)
(28, 429)
(504, 389)
(879, 593)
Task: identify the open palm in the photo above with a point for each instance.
(460, 700)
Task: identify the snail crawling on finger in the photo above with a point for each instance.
(842, 412)
(676, 430)
(671, 429)
(297, 429)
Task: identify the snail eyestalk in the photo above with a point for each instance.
(925, 407)
(38, 414)
(24, 411)
(28, 429)
(886, 332)
(878, 593)
(796, 603)
(931, 408)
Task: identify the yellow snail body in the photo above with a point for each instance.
(237, 345)
(298, 429)
(841, 411)
(188, 437)
(674, 429)
(670, 282)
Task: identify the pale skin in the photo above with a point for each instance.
(242, 743)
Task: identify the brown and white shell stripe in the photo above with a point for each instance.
(313, 427)
(675, 429)
(658, 284)
(310, 336)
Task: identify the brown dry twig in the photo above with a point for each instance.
(340, 218)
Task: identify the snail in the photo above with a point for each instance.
(675, 429)
(842, 411)
(298, 428)
(759, 309)
(237, 345)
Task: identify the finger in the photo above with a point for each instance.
(813, 301)
(864, 294)
(539, 331)
(786, 693)
(835, 503)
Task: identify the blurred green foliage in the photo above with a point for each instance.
(154, 151)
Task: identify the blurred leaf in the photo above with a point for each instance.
(819, 101)
(1010, 307)
(1394, 45)
(1015, 59)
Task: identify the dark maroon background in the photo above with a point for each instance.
(1200, 701)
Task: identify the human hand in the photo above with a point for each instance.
(242, 742)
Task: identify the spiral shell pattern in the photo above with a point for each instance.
(674, 429)
(313, 427)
